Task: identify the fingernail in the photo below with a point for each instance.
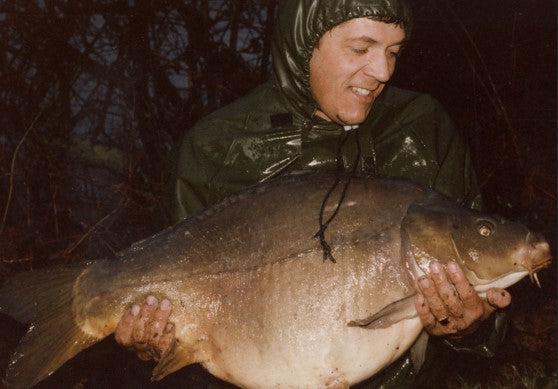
(435, 267)
(165, 305)
(135, 310)
(151, 300)
(424, 281)
(452, 267)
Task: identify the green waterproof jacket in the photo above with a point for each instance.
(257, 138)
(273, 131)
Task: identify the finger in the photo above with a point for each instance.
(473, 306)
(432, 325)
(465, 291)
(427, 318)
(445, 289)
(123, 332)
(159, 322)
(498, 298)
(430, 293)
(141, 332)
(167, 338)
(145, 355)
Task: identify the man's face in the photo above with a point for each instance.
(350, 67)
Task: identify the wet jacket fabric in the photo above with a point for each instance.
(257, 138)
(273, 131)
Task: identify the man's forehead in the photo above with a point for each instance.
(372, 40)
(370, 31)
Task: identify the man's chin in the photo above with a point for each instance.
(350, 120)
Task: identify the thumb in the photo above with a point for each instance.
(498, 297)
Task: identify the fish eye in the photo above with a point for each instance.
(485, 228)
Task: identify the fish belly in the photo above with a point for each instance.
(289, 327)
(348, 355)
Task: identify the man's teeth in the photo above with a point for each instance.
(361, 91)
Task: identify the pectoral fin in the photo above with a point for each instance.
(418, 350)
(395, 312)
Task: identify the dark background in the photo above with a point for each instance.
(94, 95)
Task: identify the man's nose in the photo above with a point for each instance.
(378, 67)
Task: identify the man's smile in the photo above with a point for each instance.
(361, 91)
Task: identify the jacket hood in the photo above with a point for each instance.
(299, 26)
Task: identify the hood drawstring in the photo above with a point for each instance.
(340, 169)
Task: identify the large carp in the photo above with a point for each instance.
(253, 299)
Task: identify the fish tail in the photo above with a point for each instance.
(43, 299)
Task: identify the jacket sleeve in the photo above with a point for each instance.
(455, 166)
(443, 150)
(456, 177)
(191, 171)
(485, 340)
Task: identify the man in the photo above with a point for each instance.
(328, 104)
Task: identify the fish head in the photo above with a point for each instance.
(491, 250)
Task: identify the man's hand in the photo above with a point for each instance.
(146, 329)
(449, 305)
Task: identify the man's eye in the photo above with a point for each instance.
(358, 50)
(394, 54)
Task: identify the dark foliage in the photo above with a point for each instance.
(94, 95)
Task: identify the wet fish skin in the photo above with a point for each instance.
(253, 300)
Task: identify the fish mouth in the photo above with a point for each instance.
(511, 278)
(531, 259)
(501, 282)
(536, 257)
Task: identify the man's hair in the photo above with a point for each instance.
(389, 20)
